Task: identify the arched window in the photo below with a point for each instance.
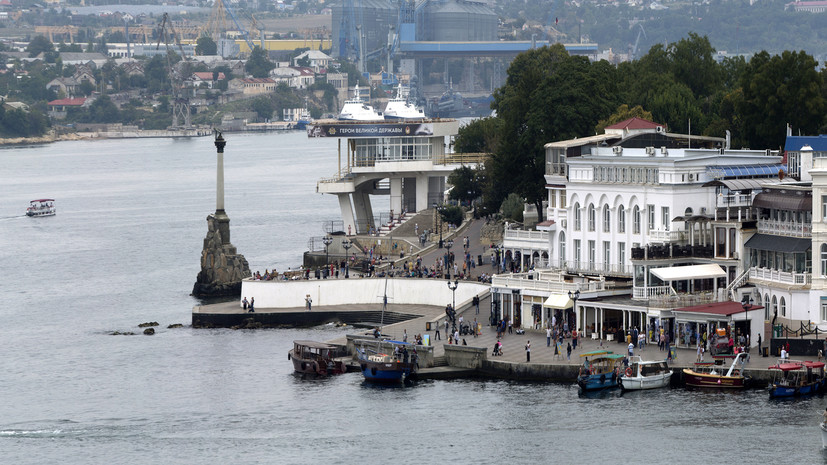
(823, 259)
(607, 218)
(775, 305)
(591, 217)
(562, 248)
(783, 307)
(621, 219)
(636, 220)
(767, 315)
(577, 216)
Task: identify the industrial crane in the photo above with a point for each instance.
(180, 100)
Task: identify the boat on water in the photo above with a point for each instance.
(712, 375)
(41, 207)
(377, 365)
(356, 109)
(304, 118)
(796, 378)
(601, 372)
(400, 107)
(645, 374)
(318, 358)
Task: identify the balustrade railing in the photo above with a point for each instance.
(784, 228)
(778, 276)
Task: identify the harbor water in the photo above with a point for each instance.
(124, 249)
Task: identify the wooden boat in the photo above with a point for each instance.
(316, 358)
(649, 374)
(41, 207)
(711, 375)
(601, 372)
(794, 378)
(377, 365)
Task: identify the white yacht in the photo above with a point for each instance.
(356, 109)
(399, 107)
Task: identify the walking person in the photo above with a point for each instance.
(405, 335)
(245, 304)
(476, 302)
(759, 343)
(308, 302)
(700, 357)
(456, 337)
(252, 304)
(436, 332)
(527, 351)
(548, 337)
(568, 351)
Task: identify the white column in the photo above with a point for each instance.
(422, 193)
(396, 195)
(347, 214)
(219, 177)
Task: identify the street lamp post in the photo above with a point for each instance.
(347, 244)
(327, 241)
(448, 244)
(453, 287)
(438, 211)
(573, 296)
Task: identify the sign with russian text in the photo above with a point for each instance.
(370, 130)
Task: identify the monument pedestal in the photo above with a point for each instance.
(222, 267)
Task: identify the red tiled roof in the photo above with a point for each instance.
(719, 308)
(207, 75)
(635, 123)
(69, 102)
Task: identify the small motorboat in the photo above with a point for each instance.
(601, 372)
(649, 374)
(712, 375)
(317, 358)
(41, 207)
(795, 378)
(379, 366)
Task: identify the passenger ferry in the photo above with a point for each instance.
(41, 207)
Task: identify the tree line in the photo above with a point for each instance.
(550, 95)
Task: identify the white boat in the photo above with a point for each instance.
(41, 207)
(356, 109)
(399, 107)
(649, 374)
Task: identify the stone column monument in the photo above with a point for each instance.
(222, 267)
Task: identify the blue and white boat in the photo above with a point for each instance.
(400, 107)
(601, 372)
(379, 366)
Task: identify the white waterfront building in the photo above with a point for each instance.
(622, 206)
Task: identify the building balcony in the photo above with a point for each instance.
(526, 281)
(734, 200)
(610, 269)
(531, 240)
(665, 252)
(780, 277)
(784, 228)
(650, 292)
(656, 235)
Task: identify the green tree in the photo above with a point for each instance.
(478, 136)
(206, 46)
(258, 65)
(38, 45)
(103, 110)
(263, 107)
(548, 96)
(465, 184)
(512, 207)
(777, 90)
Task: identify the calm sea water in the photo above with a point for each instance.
(124, 249)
